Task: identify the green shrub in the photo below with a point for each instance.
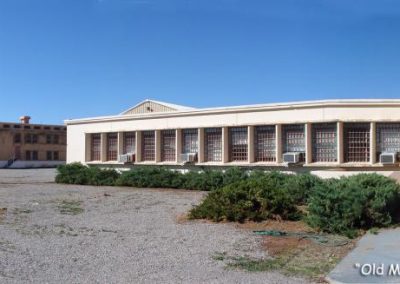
(350, 203)
(152, 177)
(97, 176)
(251, 199)
(74, 173)
(301, 186)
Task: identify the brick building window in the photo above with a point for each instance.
(48, 139)
(28, 155)
(129, 142)
(238, 144)
(190, 141)
(265, 143)
(388, 138)
(56, 156)
(324, 142)
(31, 138)
(112, 146)
(149, 146)
(49, 155)
(356, 142)
(213, 144)
(168, 139)
(95, 154)
(17, 138)
(56, 139)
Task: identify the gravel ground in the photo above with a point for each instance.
(124, 236)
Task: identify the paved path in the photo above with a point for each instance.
(382, 249)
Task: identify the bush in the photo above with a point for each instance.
(301, 186)
(251, 199)
(350, 203)
(76, 173)
(152, 177)
(97, 176)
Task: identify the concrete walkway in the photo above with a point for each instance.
(376, 259)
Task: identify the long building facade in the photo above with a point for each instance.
(323, 134)
(26, 145)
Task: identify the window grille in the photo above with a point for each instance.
(95, 147)
(190, 140)
(168, 145)
(265, 144)
(213, 144)
(129, 142)
(112, 146)
(388, 138)
(324, 142)
(357, 142)
(149, 146)
(293, 138)
(238, 144)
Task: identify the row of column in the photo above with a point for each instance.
(225, 144)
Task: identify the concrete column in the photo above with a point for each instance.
(278, 143)
(178, 145)
(250, 144)
(308, 130)
(225, 144)
(372, 143)
(340, 142)
(120, 143)
(138, 146)
(103, 155)
(201, 155)
(88, 145)
(158, 145)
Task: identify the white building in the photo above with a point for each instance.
(318, 134)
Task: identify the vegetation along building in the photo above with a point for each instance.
(325, 134)
(25, 145)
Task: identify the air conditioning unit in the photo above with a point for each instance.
(291, 157)
(189, 158)
(126, 158)
(387, 158)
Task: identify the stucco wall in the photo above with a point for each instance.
(76, 132)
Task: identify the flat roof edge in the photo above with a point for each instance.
(243, 108)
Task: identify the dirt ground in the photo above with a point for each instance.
(51, 233)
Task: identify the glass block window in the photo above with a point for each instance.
(112, 146)
(149, 146)
(129, 142)
(388, 138)
(190, 141)
(213, 144)
(293, 138)
(168, 139)
(265, 144)
(238, 144)
(356, 142)
(324, 142)
(95, 146)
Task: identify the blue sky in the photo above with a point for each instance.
(64, 59)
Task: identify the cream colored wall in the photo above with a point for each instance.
(76, 132)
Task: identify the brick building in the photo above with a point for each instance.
(25, 145)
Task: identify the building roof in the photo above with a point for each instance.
(187, 111)
(171, 107)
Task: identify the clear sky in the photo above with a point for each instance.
(64, 59)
